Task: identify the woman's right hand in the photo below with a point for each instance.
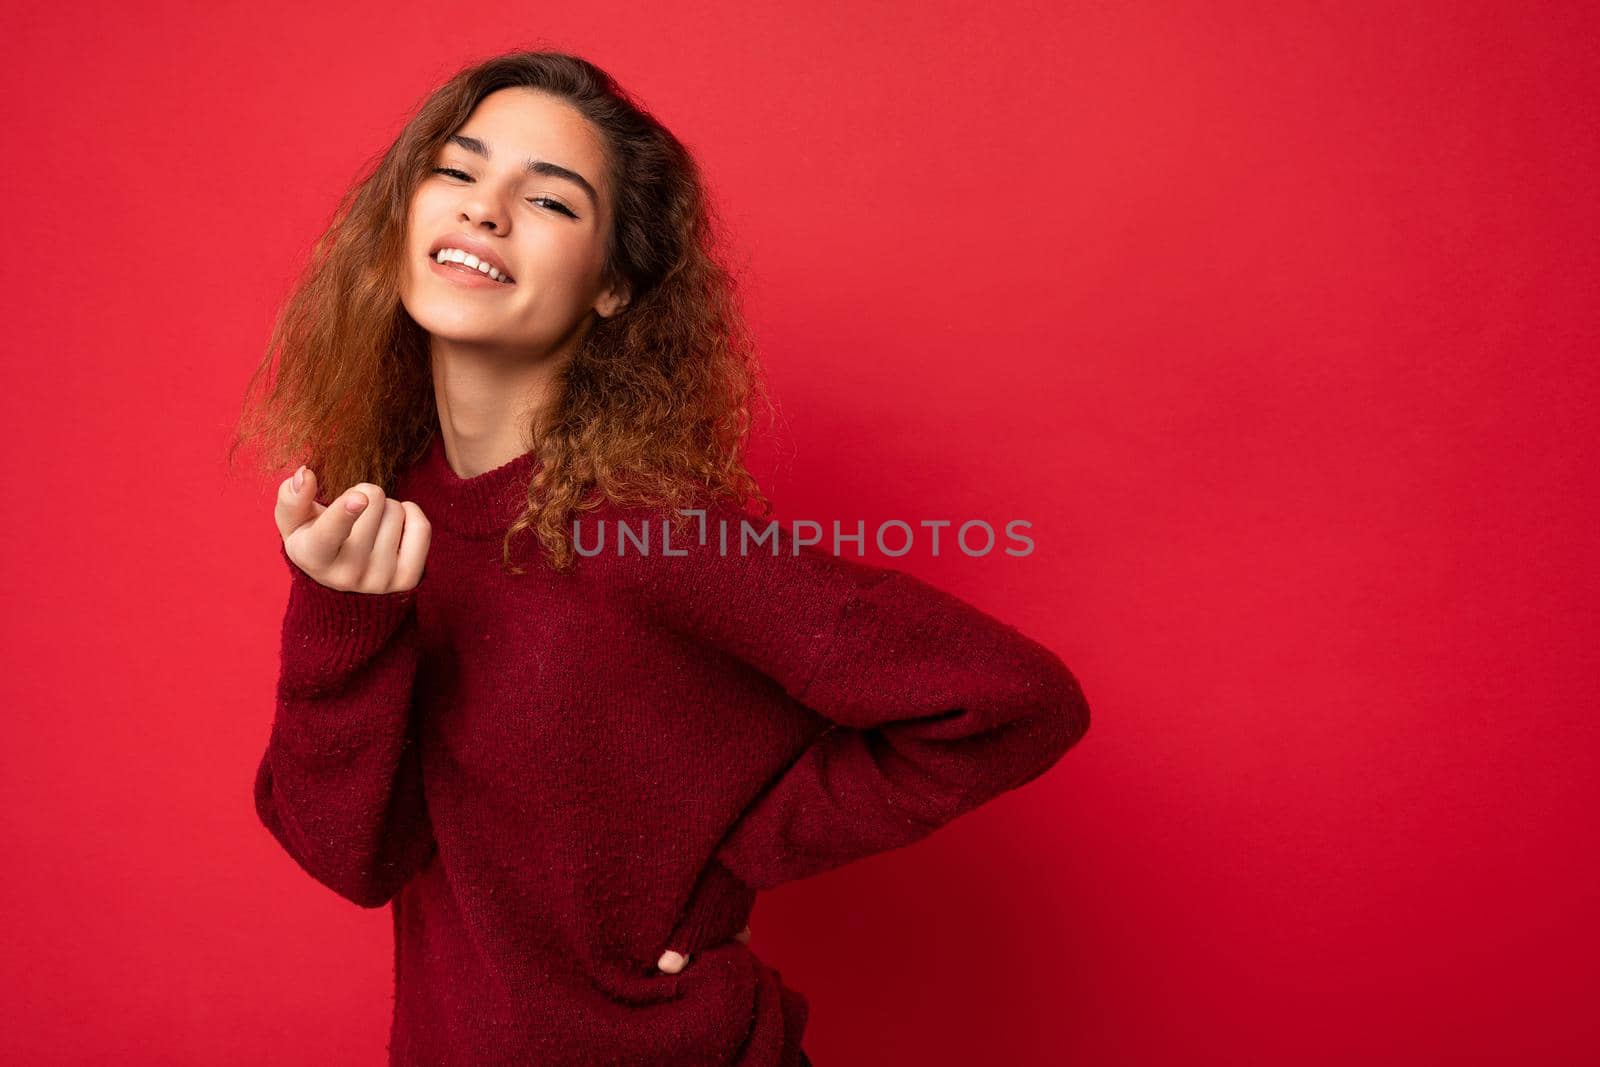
(362, 543)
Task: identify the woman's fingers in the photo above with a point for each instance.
(385, 555)
(359, 531)
(414, 542)
(363, 542)
(673, 962)
(297, 502)
(339, 534)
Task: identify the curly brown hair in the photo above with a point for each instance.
(653, 408)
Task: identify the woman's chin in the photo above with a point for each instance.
(450, 321)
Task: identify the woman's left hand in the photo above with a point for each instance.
(673, 962)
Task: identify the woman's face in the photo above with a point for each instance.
(500, 189)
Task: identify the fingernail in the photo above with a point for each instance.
(299, 478)
(356, 502)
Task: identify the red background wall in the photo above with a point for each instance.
(1276, 320)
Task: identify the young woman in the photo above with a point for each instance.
(569, 772)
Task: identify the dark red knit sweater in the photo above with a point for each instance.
(553, 778)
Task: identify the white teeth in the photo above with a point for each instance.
(467, 259)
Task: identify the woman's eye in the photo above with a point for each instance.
(553, 203)
(556, 204)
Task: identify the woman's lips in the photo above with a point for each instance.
(466, 276)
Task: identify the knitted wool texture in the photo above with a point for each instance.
(551, 779)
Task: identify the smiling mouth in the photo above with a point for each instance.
(466, 277)
(456, 267)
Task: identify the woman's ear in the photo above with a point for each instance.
(611, 301)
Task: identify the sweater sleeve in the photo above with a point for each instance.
(340, 783)
(931, 706)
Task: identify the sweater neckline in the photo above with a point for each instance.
(481, 506)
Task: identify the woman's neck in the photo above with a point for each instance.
(486, 405)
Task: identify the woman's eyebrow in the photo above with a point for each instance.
(533, 166)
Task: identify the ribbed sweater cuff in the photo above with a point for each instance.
(329, 633)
